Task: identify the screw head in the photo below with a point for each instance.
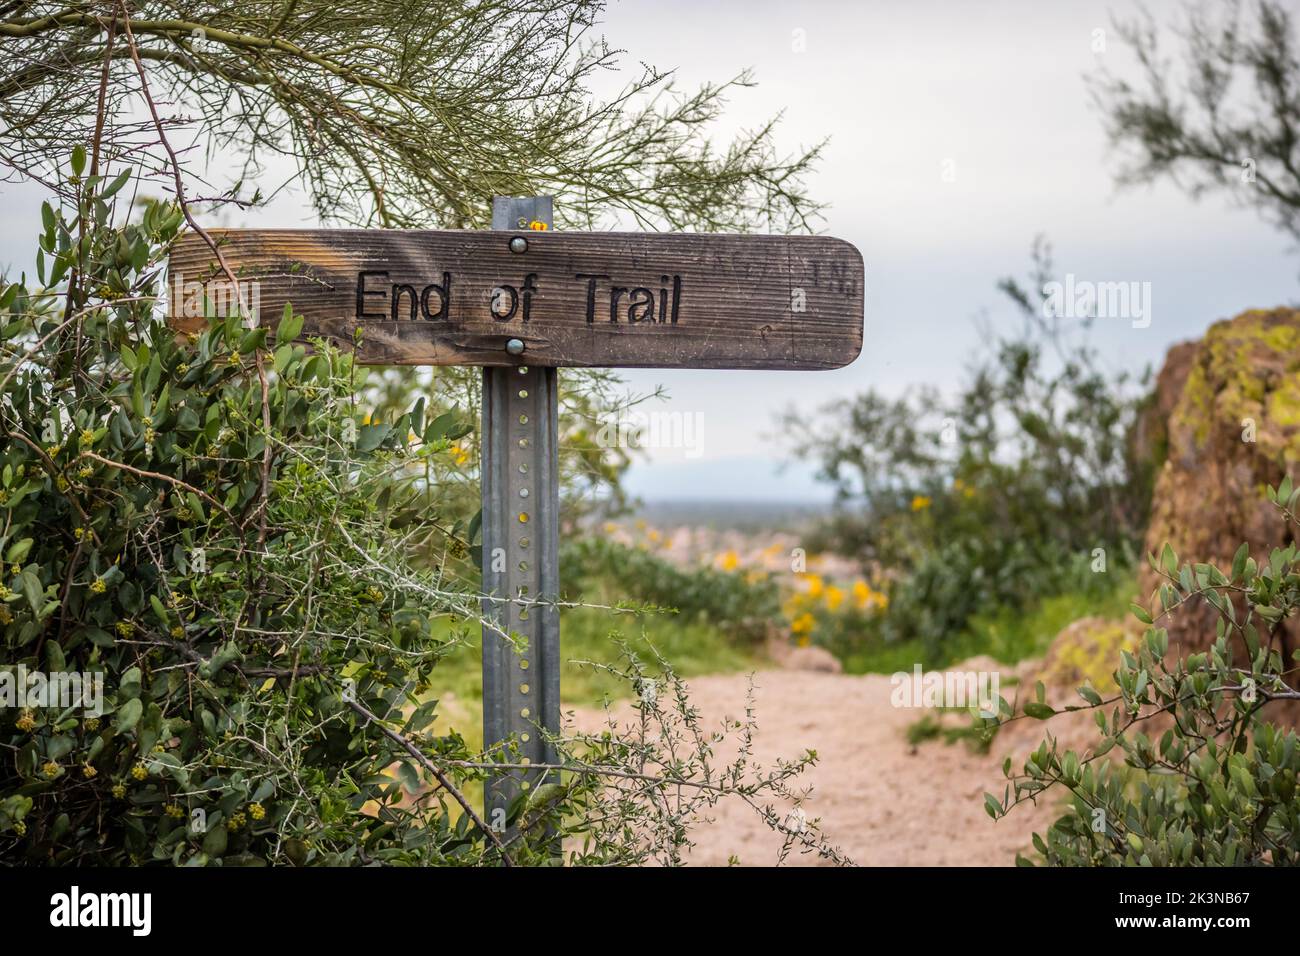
(518, 244)
(515, 347)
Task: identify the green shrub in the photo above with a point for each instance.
(1218, 788)
(212, 549)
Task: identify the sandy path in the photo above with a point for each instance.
(880, 801)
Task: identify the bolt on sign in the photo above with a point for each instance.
(521, 301)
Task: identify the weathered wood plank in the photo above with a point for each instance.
(573, 299)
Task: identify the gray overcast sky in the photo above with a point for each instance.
(993, 91)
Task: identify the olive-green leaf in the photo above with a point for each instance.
(128, 715)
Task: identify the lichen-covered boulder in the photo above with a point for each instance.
(1233, 431)
(1087, 652)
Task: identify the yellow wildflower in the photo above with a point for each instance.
(834, 597)
(920, 502)
(815, 585)
(729, 561)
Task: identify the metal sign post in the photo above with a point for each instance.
(521, 530)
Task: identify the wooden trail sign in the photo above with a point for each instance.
(522, 301)
(572, 299)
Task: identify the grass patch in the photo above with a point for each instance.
(975, 734)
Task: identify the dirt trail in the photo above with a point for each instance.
(881, 801)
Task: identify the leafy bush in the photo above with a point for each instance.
(961, 581)
(198, 519)
(1218, 788)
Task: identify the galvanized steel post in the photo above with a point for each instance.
(520, 537)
